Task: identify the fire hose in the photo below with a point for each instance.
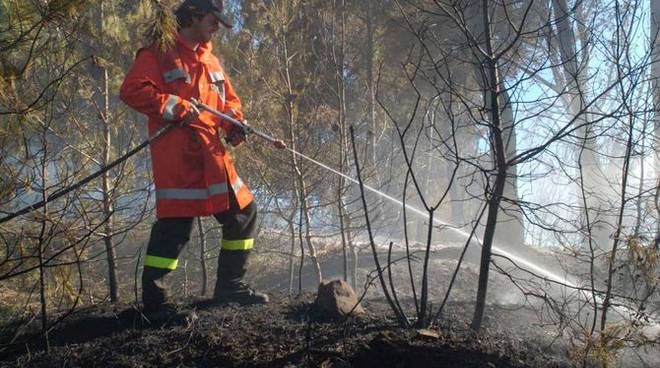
(160, 132)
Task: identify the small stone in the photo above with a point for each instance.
(336, 299)
(429, 334)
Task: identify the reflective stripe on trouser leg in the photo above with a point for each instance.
(244, 244)
(238, 229)
(168, 237)
(161, 262)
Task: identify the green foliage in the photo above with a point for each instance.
(162, 26)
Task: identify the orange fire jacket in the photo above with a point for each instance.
(193, 173)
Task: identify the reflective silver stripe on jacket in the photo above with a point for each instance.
(220, 91)
(218, 84)
(201, 193)
(175, 74)
(198, 193)
(217, 77)
(170, 107)
(237, 184)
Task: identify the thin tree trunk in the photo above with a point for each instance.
(292, 253)
(423, 318)
(341, 108)
(371, 102)
(510, 229)
(308, 233)
(574, 79)
(107, 200)
(106, 179)
(421, 229)
(655, 87)
(355, 255)
(625, 170)
(617, 235)
(639, 202)
(298, 204)
(302, 248)
(655, 76)
(302, 190)
(202, 255)
(42, 241)
(396, 308)
(185, 278)
(492, 92)
(342, 229)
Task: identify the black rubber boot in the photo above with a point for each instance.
(154, 296)
(229, 287)
(168, 237)
(158, 313)
(154, 288)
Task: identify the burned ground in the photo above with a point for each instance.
(288, 333)
(283, 333)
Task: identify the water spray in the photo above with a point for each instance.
(528, 266)
(519, 261)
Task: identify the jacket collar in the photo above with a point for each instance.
(202, 52)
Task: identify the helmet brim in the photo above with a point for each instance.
(225, 22)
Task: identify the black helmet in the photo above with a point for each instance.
(206, 6)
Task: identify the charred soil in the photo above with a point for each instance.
(284, 333)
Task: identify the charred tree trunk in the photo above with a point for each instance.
(341, 109)
(292, 253)
(371, 101)
(491, 93)
(42, 241)
(202, 256)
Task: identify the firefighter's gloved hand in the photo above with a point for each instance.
(236, 135)
(279, 144)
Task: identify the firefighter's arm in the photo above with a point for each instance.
(142, 90)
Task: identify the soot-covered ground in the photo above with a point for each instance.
(283, 333)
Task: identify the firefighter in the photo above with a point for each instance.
(193, 173)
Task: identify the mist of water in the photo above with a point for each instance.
(520, 261)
